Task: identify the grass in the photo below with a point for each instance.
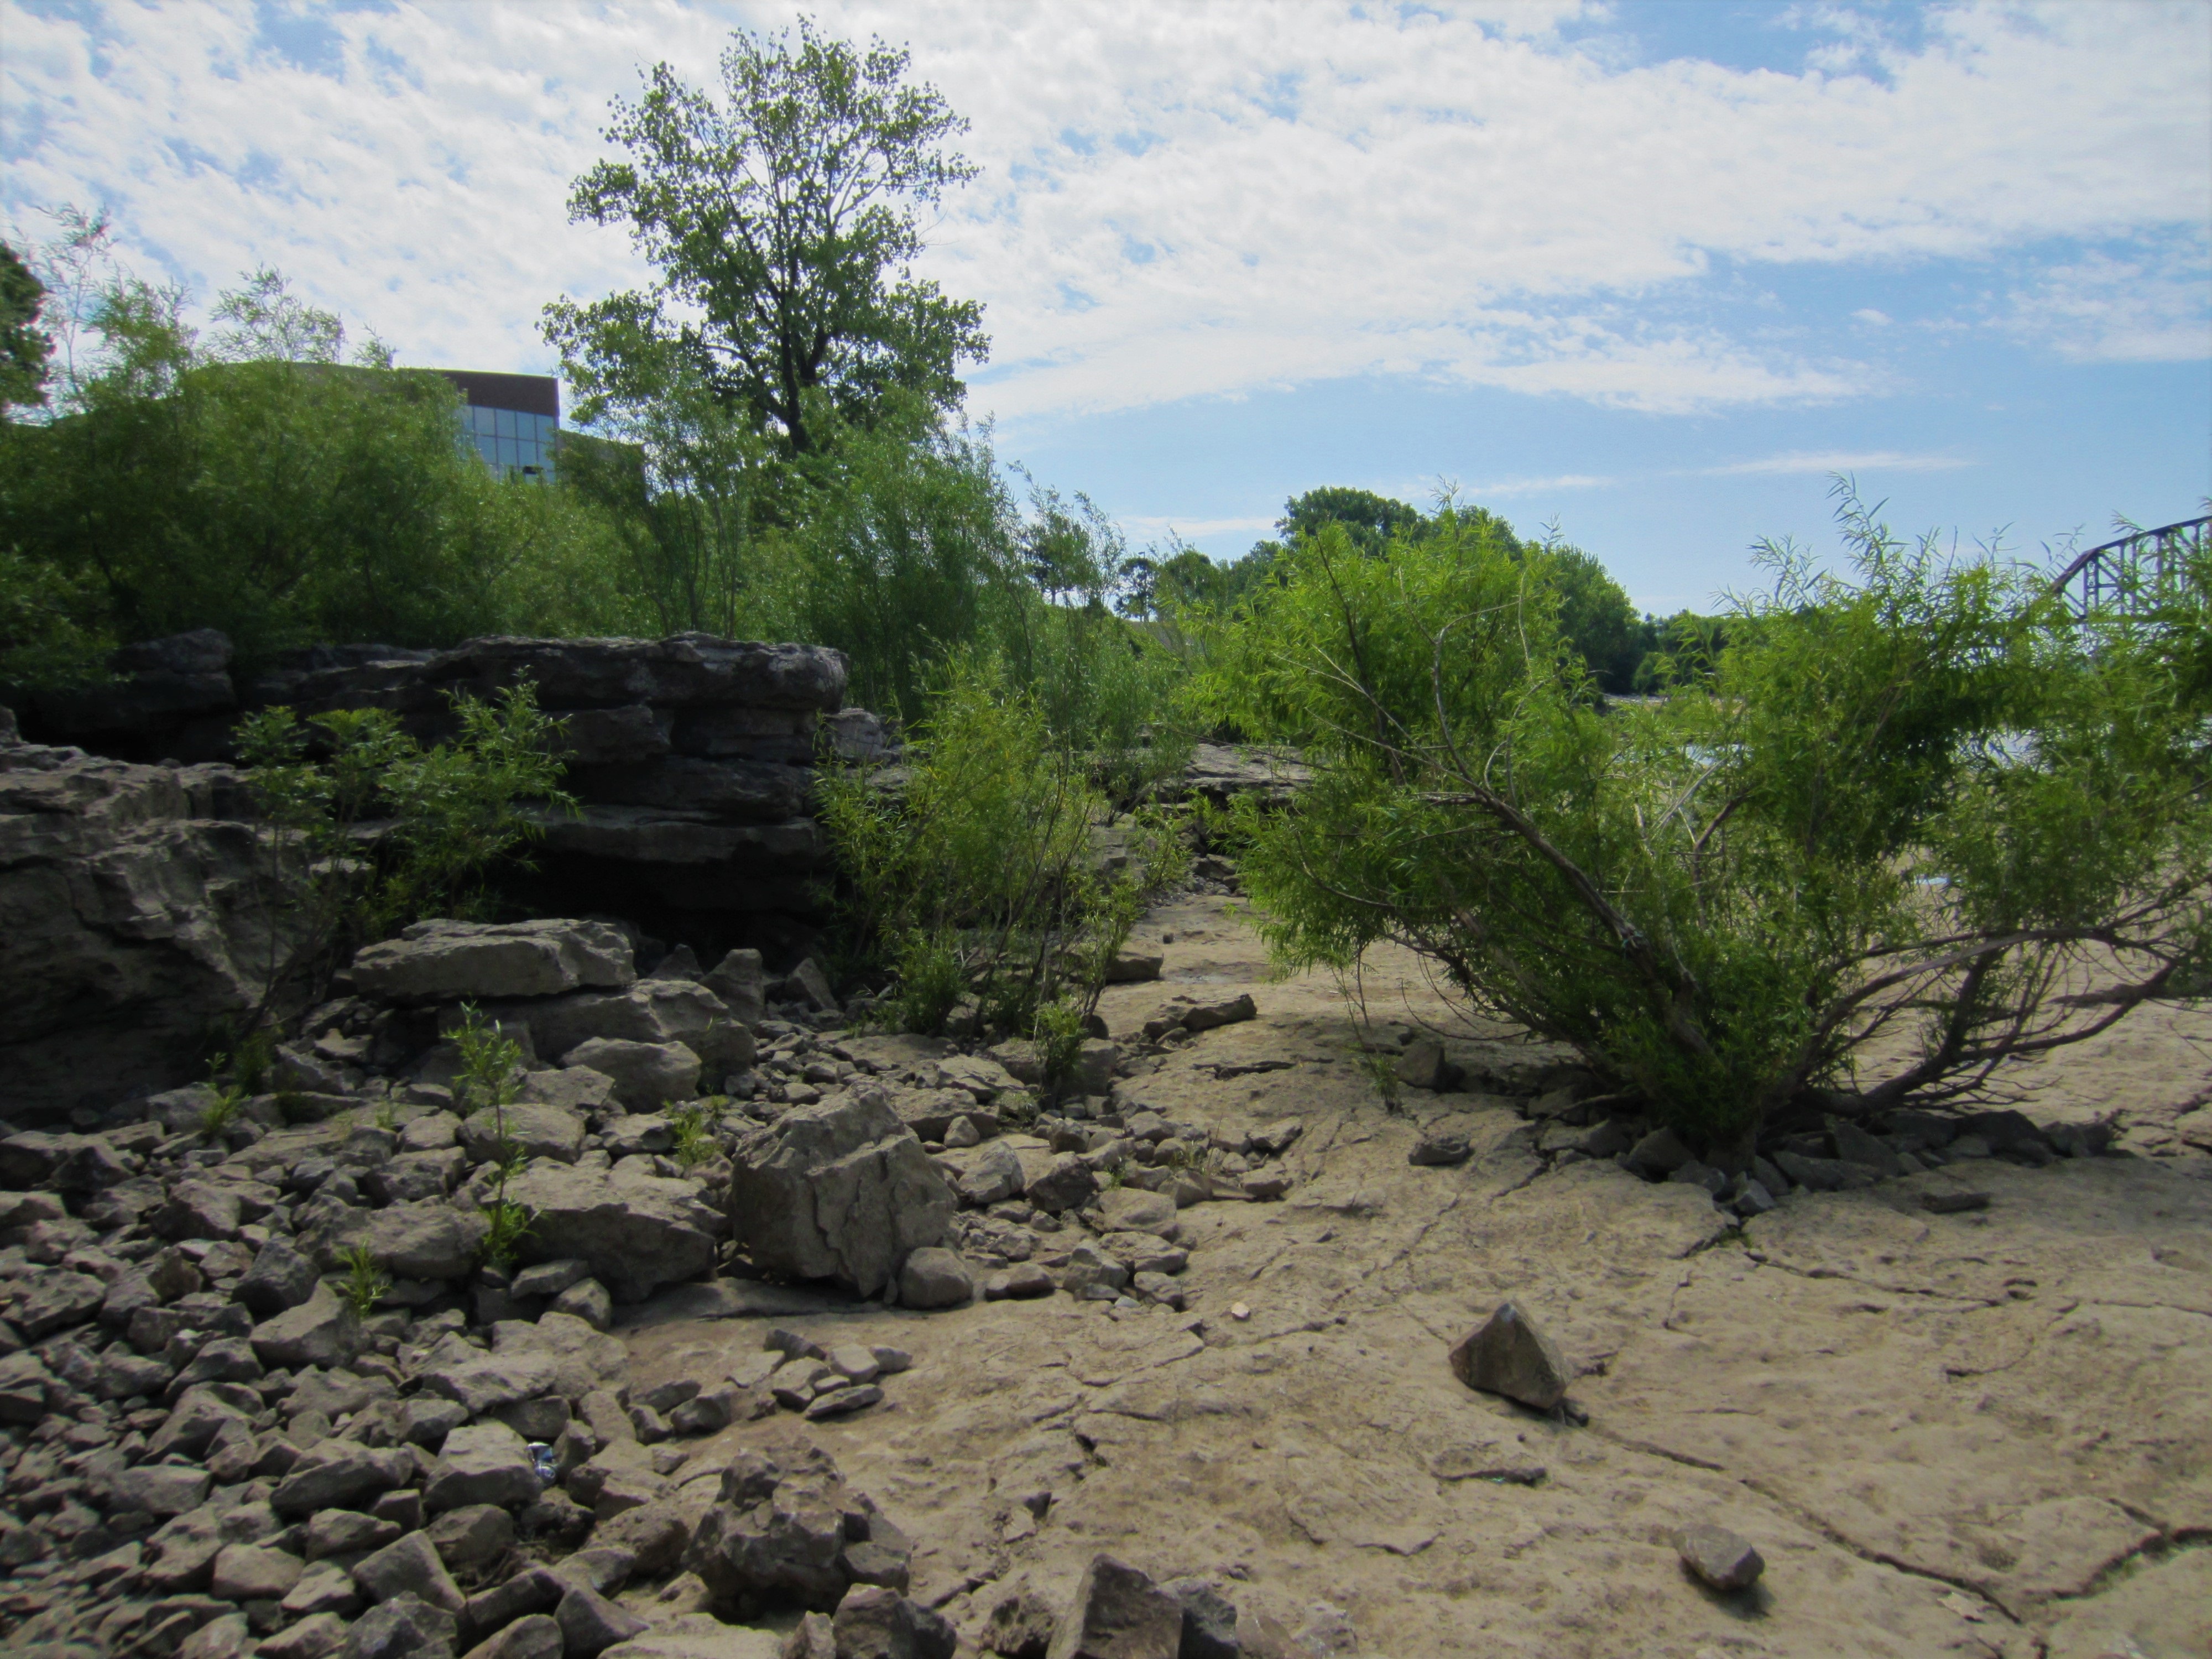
(510, 1225)
(219, 1114)
(695, 1125)
(365, 1281)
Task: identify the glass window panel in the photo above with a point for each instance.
(480, 419)
(488, 448)
(506, 422)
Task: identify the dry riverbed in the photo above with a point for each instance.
(1978, 1433)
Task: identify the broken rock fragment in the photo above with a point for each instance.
(1507, 1355)
(1119, 1613)
(840, 1190)
(1721, 1558)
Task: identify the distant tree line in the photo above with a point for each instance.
(781, 447)
(1623, 653)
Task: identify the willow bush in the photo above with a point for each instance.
(1922, 811)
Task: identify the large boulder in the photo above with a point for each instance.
(637, 1232)
(524, 1129)
(445, 961)
(839, 1190)
(646, 1075)
(128, 929)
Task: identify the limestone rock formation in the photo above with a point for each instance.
(839, 1190)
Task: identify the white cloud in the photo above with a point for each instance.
(1161, 524)
(1877, 460)
(1184, 201)
(2153, 307)
(1542, 486)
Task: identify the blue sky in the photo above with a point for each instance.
(1650, 269)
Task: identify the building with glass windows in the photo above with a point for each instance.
(513, 421)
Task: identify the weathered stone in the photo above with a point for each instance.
(534, 1589)
(339, 1474)
(123, 942)
(993, 1176)
(56, 1299)
(740, 982)
(1134, 1210)
(1953, 1200)
(522, 1130)
(646, 1075)
(200, 1413)
(1507, 1355)
(1118, 1613)
(876, 1622)
(1023, 1281)
(482, 1463)
(637, 1232)
(320, 1331)
(405, 1627)
(843, 1402)
(482, 1381)
(408, 1565)
(159, 1489)
(347, 1532)
(227, 1637)
(935, 1278)
(1424, 1065)
(589, 1624)
(1719, 1557)
(589, 1301)
(1823, 1175)
(1442, 1146)
(1066, 1183)
(840, 1190)
(654, 1010)
(1659, 1153)
(315, 1638)
(1210, 1015)
(280, 1278)
(456, 961)
(534, 1636)
(249, 1572)
(227, 1360)
(326, 1587)
(1209, 1621)
(62, 1163)
(550, 1277)
(197, 1209)
(781, 1547)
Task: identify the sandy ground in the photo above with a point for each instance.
(1987, 1433)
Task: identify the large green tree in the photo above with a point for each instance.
(782, 221)
(24, 347)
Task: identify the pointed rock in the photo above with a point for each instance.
(1508, 1355)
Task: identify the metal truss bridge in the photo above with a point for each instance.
(2134, 574)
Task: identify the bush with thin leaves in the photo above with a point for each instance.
(370, 829)
(1919, 823)
(490, 1061)
(978, 871)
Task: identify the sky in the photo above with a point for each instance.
(1648, 272)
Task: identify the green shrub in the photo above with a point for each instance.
(978, 874)
(450, 813)
(1915, 803)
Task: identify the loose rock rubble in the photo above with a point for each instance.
(215, 1443)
